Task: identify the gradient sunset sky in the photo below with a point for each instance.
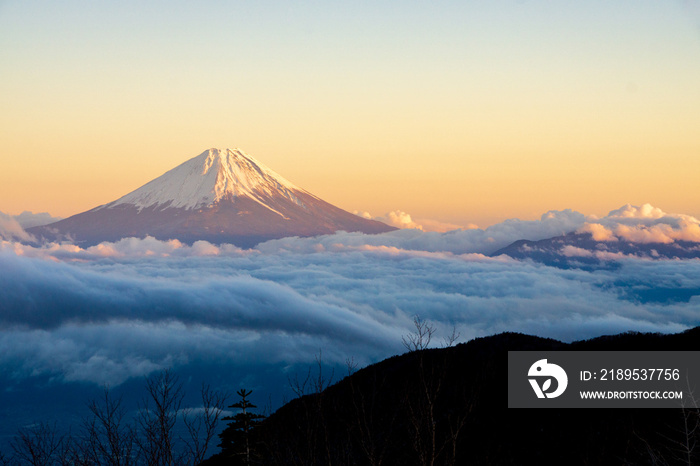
(463, 112)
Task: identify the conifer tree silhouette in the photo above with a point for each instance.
(236, 440)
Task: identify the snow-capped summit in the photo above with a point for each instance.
(221, 196)
(213, 175)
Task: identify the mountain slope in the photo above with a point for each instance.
(449, 406)
(221, 196)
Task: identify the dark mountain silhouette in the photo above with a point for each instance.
(388, 412)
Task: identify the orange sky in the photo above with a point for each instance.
(463, 114)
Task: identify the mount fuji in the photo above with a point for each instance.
(220, 196)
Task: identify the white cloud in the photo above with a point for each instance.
(598, 232)
(395, 218)
(481, 241)
(643, 224)
(11, 230)
(29, 219)
(683, 230)
(401, 219)
(629, 223)
(573, 251)
(124, 309)
(124, 248)
(443, 227)
(646, 211)
(108, 318)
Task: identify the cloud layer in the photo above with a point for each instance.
(29, 219)
(645, 224)
(108, 319)
(12, 226)
(11, 230)
(120, 310)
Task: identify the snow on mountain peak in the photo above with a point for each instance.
(213, 175)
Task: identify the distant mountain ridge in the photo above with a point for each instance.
(582, 248)
(220, 196)
(644, 231)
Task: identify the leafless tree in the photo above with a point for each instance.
(351, 365)
(299, 385)
(157, 417)
(107, 438)
(680, 445)
(688, 439)
(420, 339)
(201, 425)
(315, 447)
(322, 381)
(309, 385)
(433, 439)
(364, 425)
(422, 415)
(450, 340)
(434, 436)
(41, 445)
(455, 423)
(654, 456)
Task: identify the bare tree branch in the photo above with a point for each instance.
(157, 417)
(420, 339)
(41, 445)
(108, 440)
(450, 340)
(351, 365)
(201, 426)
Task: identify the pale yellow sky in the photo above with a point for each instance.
(455, 112)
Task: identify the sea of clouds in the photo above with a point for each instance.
(112, 312)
